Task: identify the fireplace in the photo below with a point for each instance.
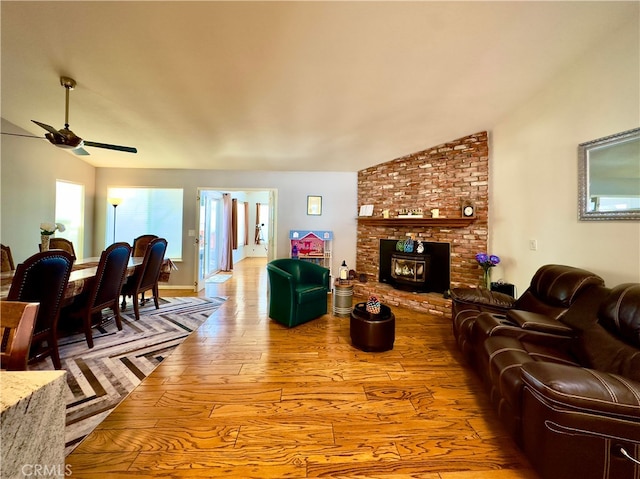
(409, 268)
(428, 271)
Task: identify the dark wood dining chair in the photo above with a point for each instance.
(140, 245)
(146, 276)
(63, 244)
(139, 248)
(43, 278)
(104, 292)
(17, 321)
(7, 258)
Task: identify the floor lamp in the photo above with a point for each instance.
(114, 202)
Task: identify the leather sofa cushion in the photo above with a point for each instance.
(598, 349)
(559, 285)
(620, 313)
(583, 389)
(538, 322)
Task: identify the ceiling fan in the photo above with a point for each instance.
(67, 139)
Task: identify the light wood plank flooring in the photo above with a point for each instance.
(244, 397)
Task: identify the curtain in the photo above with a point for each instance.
(257, 235)
(234, 223)
(246, 224)
(226, 253)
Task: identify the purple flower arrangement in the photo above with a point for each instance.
(487, 262)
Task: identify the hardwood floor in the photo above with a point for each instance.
(244, 397)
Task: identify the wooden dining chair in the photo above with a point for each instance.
(140, 245)
(7, 258)
(139, 248)
(146, 276)
(63, 244)
(17, 321)
(104, 292)
(43, 278)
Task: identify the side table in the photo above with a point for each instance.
(342, 298)
(372, 332)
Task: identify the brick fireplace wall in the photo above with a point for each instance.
(439, 177)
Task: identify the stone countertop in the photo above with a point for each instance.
(18, 385)
(32, 414)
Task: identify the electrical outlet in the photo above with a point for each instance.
(533, 245)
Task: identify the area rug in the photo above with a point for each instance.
(99, 378)
(219, 278)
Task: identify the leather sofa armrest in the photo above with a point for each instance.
(488, 324)
(581, 389)
(538, 322)
(481, 300)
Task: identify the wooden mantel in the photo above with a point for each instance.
(427, 222)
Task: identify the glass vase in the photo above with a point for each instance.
(486, 278)
(44, 242)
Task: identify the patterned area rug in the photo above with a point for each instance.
(99, 378)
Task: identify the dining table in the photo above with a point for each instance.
(83, 271)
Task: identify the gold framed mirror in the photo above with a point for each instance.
(609, 177)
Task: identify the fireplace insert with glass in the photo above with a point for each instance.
(428, 271)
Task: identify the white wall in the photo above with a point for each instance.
(338, 191)
(534, 168)
(29, 170)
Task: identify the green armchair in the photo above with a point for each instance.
(298, 291)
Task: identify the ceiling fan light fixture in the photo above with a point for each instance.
(67, 139)
(68, 83)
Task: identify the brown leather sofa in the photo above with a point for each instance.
(566, 387)
(583, 420)
(552, 290)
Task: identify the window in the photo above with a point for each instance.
(141, 211)
(70, 212)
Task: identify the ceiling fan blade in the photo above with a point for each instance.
(20, 134)
(127, 149)
(80, 151)
(50, 129)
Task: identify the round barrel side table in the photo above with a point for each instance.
(342, 298)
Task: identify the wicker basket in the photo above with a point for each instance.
(165, 270)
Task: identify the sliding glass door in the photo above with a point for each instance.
(208, 243)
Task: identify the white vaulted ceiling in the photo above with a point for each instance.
(334, 86)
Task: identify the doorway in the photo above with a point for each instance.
(256, 236)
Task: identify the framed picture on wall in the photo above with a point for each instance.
(314, 205)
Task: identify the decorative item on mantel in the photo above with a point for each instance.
(366, 210)
(46, 231)
(408, 245)
(486, 262)
(410, 213)
(468, 209)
